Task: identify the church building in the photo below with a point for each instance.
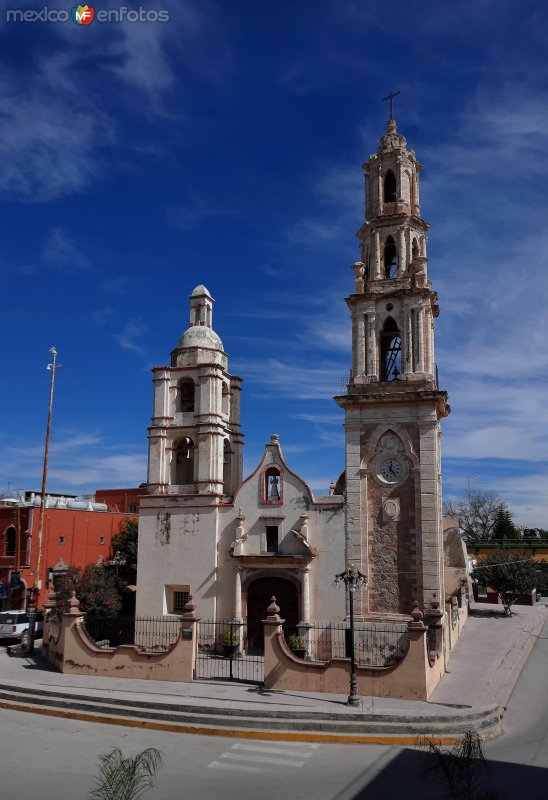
(233, 542)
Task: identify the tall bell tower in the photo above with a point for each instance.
(392, 404)
(195, 440)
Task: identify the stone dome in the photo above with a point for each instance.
(200, 336)
(200, 291)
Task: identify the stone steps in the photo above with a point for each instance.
(236, 721)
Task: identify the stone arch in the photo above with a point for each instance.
(401, 433)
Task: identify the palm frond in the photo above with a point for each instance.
(126, 778)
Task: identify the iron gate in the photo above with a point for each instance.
(224, 652)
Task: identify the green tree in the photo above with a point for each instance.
(97, 591)
(508, 574)
(125, 543)
(126, 778)
(504, 527)
(477, 513)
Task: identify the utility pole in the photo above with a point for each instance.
(37, 582)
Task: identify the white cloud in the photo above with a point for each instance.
(78, 462)
(62, 252)
(129, 338)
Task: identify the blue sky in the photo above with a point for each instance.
(225, 147)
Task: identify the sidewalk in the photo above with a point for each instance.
(483, 670)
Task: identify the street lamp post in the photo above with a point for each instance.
(37, 581)
(353, 579)
(117, 561)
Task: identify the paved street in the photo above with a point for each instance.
(40, 752)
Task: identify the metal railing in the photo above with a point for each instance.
(375, 645)
(153, 634)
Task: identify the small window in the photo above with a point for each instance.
(271, 538)
(132, 508)
(180, 599)
(10, 541)
(101, 539)
(61, 540)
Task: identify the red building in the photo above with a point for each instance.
(124, 500)
(77, 531)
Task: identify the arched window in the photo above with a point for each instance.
(10, 541)
(186, 392)
(227, 465)
(390, 259)
(272, 486)
(225, 399)
(391, 368)
(415, 249)
(390, 193)
(184, 462)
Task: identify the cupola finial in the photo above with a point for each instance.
(390, 97)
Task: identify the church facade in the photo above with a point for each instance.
(232, 542)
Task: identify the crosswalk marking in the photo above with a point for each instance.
(238, 767)
(265, 757)
(282, 762)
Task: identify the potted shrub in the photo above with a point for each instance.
(231, 641)
(297, 644)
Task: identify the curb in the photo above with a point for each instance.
(266, 724)
(515, 672)
(236, 733)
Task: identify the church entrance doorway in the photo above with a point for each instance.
(259, 594)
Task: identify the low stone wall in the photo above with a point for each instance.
(68, 647)
(413, 678)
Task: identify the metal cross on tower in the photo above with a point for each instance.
(390, 97)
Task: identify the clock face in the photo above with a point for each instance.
(391, 470)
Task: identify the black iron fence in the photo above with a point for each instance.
(154, 634)
(228, 650)
(375, 645)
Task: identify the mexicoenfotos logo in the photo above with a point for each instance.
(82, 15)
(85, 15)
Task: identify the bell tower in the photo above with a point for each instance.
(393, 404)
(195, 441)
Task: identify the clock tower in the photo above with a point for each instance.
(393, 404)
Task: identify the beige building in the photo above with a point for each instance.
(233, 543)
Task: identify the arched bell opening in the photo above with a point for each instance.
(391, 364)
(390, 189)
(183, 472)
(186, 392)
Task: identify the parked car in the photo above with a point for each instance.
(14, 625)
